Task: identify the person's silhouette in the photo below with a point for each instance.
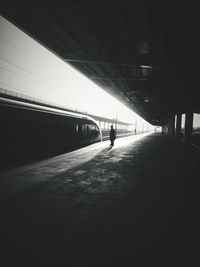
(112, 135)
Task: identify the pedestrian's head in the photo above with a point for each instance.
(111, 126)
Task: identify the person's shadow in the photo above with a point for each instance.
(108, 148)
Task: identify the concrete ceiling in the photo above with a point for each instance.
(142, 52)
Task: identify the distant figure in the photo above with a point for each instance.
(112, 135)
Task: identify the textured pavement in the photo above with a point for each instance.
(136, 204)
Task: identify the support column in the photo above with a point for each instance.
(168, 127)
(188, 124)
(178, 125)
(171, 125)
(165, 128)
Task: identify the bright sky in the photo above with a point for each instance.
(196, 120)
(29, 68)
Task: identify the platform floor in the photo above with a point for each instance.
(136, 204)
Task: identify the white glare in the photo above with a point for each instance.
(28, 68)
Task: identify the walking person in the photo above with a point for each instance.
(112, 135)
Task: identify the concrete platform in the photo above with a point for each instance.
(136, 204)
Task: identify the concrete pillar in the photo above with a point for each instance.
(188, 124)
(178, 125)
(171, 124)
(165, 127)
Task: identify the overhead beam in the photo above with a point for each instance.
(97, 77)
(99, 61)
(123, 58)
(19, 5)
